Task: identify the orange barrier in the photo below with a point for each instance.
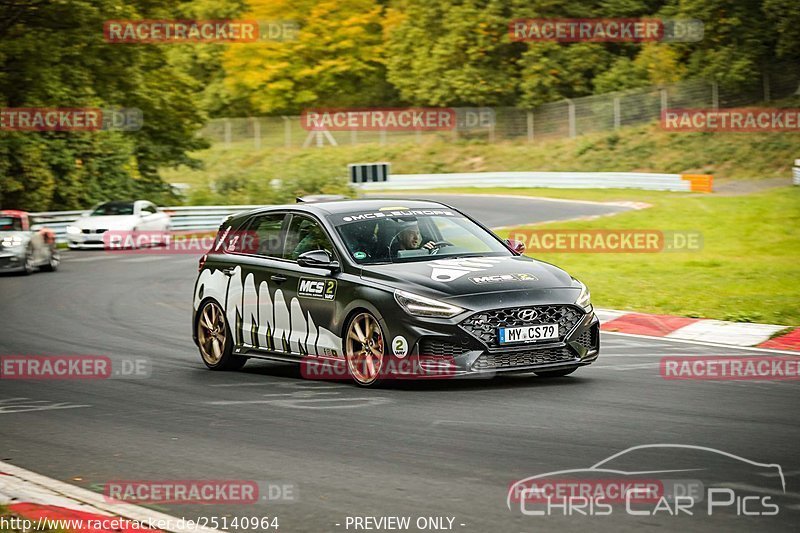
(699, 182)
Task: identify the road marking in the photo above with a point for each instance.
(26, 405)
(307, 403)
(477, 423)
(701, 343)
(273, 384)
(762, 490)
(791, 473)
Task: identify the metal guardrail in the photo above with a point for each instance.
(207, 217)
(561, 180)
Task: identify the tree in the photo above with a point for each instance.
(453, 53)
(53, 54)
(336, 58)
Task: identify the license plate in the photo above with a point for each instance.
(538, 332)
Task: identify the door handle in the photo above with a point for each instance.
(277, 278)
(228, 271)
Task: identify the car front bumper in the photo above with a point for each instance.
(12, 261)
(446, 348)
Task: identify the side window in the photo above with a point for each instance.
(262, 236)
(305, 235)
(147, 209)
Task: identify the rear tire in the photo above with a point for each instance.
(556, 373)
(214, 339)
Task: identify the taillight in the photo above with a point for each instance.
(202, 262)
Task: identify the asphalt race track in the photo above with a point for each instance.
(433, 449)
(498, 211)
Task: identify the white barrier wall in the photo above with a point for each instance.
(563, 180)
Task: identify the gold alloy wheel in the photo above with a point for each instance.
(211, 332)
(365, 346)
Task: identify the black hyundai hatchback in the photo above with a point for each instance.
(378, 285)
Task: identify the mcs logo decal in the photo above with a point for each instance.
(503, 277)
(321, 289)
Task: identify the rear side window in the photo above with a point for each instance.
(266, 232)
(260, 235)
(306, 235)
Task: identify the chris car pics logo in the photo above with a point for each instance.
(655, 480)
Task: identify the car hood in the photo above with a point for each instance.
(505, 280)
(111, 222)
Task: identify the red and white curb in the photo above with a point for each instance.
(34, 497)
(697, 329)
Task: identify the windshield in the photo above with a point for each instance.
(10, 224)
(113, 208)
(414, 235)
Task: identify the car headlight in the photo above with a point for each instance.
(584, 299)
(11, 241)
(73, 229)
(417, 305)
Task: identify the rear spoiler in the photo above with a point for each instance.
(315, 198)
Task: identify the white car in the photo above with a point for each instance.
(133, 216)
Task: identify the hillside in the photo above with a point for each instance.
(240, 173)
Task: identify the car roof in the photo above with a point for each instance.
(119, 202)
(349, 206)
(13, 213)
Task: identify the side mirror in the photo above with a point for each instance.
(516, 246)
(317, 259)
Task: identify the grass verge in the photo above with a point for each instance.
(7, 520)
(747, 269)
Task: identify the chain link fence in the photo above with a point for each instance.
(564, 119)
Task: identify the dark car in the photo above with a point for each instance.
(23, 249)
(372, 283)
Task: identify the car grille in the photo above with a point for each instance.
(95, 231)
(522, 358)
(439, 348)
(588, 339)
(484, 325)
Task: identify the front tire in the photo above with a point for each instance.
(28, 267)
(214, 339)
(365, 349)
(53, 261)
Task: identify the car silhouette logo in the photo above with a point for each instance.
(528, 314)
